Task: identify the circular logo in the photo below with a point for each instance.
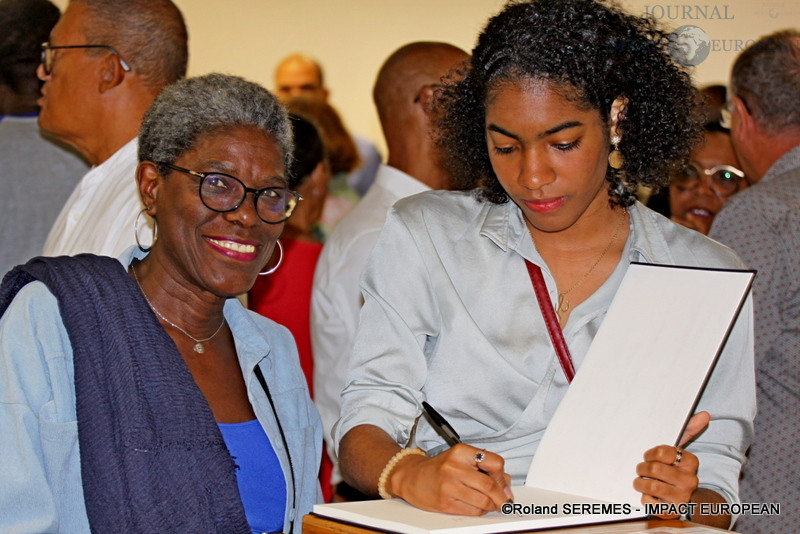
(689, 45)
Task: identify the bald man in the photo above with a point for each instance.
(301, 75)
(403, 94)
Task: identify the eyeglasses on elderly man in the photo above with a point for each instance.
(49, 56)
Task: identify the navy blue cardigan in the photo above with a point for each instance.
(152, 456)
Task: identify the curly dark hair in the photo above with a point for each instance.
(309, 149)
(596, 53)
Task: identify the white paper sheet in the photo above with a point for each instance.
(640, 378)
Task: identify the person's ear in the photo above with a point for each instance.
(426, 97)
(148, 180)
(616, 115)
(316, 190)
(320, 177)
(746, 124)
(111, 73)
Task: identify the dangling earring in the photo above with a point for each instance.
(280, 259)
(136, 231)
(615, 158)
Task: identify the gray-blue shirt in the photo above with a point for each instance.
(450, 317)
(762, 224)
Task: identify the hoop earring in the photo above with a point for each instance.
(280, 259)
(136, 231)
(615, 158)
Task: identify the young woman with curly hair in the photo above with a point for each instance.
(565, 108)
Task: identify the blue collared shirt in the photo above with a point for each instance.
(40, 476)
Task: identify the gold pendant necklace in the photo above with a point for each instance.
(198, 343)
(563, 305)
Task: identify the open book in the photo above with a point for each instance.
(665, 322)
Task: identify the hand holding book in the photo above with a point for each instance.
(677, 484)
(669, 474)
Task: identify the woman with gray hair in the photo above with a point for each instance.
(138, 394)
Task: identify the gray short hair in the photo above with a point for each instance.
(766, 76)
(186, 110)
(150, 35)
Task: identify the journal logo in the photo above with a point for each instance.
(689, 45)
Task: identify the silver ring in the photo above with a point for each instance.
(678, 456)
(479, 456)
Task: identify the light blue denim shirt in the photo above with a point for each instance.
(40, 476)
(450, 317)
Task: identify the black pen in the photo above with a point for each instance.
(442, 426)
(444, 429)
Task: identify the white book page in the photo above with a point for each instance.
(640, 379)
(396, 515)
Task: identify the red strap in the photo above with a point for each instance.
(550, 320)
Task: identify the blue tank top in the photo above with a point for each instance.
(258, 473)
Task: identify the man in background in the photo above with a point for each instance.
(36, 175)
(105, 62)
(403, 94)
(762, 224)
(300, 75)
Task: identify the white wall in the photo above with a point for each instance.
(351, 38)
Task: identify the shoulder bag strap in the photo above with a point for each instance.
(550, 320)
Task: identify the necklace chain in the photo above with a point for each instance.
(563, 305)
(198, 343)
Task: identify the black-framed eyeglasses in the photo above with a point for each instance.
(724, 180)
(222, 192)
(48, 55)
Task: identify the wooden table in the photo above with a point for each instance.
(313, 524)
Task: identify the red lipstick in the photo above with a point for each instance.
(234, 248)
(545, 205)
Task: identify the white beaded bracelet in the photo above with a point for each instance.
(384, 478)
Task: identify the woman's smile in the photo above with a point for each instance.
(236, 249)
(229, 248)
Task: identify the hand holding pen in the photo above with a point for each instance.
(462, 480)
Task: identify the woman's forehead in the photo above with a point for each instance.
(541, 87)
